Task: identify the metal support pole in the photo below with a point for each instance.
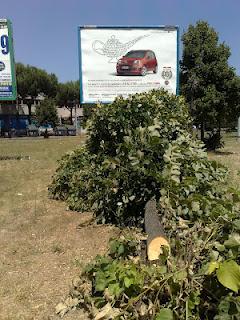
(76, 127)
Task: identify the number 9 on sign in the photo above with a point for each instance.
(4, 44)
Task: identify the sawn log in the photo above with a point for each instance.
(156, 238)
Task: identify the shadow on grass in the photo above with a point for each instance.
(223, 153)
(14, 157)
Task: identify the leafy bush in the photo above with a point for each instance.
(62, 186)
(138, 148)
(88, 110)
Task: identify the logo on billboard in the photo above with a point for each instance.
(2, 66)
(113, 48)
(166, 74)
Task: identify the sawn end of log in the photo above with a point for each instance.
(156, 239)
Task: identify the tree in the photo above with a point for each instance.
(208, 83)
(32, 81)
(46, 112)
(68, 96)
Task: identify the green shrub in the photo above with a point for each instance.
(138, 148)
(200, 281)
(63, 182)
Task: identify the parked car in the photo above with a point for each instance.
(137, 62)
(32, 130)
(61, 131)
(47, 128)
(71, 131)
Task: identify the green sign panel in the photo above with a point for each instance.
(7, 67)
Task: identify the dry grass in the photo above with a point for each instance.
(230, 157)
(41, 248)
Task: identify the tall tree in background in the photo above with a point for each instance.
(46, 112)
(32, 81)
(68, 96)
(208, 83)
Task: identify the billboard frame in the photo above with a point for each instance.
(164, 27)
(12, 62)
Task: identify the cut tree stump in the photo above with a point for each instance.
(156, 239)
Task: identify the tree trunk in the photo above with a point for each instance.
(29, 111)
(71, 114)
(219, 128)
(202, 130)
(156, 239)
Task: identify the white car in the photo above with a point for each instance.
(46, 128)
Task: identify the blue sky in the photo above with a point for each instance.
(45, 31)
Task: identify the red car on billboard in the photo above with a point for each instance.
(137, 62)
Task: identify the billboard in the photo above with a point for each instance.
(126, 60)
(7, 68)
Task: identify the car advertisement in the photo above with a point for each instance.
(117, 61)
(7, 70)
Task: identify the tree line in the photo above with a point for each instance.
(32, 82)
(209, 84)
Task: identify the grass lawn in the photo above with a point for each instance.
(230, 157)
(41, 247)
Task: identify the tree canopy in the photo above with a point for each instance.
(208, 83)
(32, 81)
(68, 95)
(46, 113)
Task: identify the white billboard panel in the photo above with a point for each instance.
(7, 70)
(125, 60)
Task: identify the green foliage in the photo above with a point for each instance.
(164, 314)
(88, 110)
(124, 247)
(228, 274)
(229, 308)
(46, 112)
(214, 141)
(68, 96)
(32, 81)
(209, 84)
(125, 151)
(139, 148)
(62, 186)
(123, 286)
